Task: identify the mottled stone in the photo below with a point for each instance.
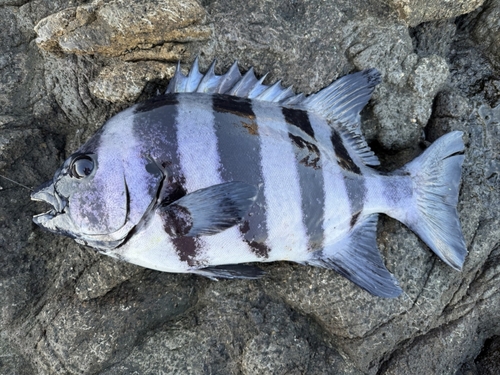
(486, 30)
(403, 101)
(125, 81)
(115, 28)
(417, 11)
(131, 38)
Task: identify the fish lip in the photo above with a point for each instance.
(42, 218)
(46, 193)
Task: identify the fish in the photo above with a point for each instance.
(221, 171)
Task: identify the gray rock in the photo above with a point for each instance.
(115, 28)
(415, 12)
(66, 309)
(488, 361)
(125, 81)
(123, 35)
(486, 30)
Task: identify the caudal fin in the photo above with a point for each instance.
(436, 178)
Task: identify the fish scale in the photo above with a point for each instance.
(224, 170)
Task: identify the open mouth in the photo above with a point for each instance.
(42, 218)
(46, 193)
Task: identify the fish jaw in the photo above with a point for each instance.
(57, 220)
(46, 193)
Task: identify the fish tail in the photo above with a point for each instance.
(436, 178)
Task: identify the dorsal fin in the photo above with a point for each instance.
(231, 83)
(340, 103)
(344, 99)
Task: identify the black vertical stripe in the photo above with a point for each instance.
(308, 158)
(355, 185)
(356, 193)
(344, 159)
(157, 102)
(155, 124)
(240, 153)
(187, 249)
(241, 107)
(298, 118)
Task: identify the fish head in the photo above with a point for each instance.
(86, 205)
(102, 191)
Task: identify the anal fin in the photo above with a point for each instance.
(357, 258)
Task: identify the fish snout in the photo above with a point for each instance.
(46, 193)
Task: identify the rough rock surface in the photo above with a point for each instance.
(65, 67)
(131, 36)
(415, 12)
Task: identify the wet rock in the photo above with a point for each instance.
(12, 362)
(66, 309)
(254, 335)
(434, 38)
(488, 361)
(102, 276)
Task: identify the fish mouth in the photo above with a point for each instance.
(46, 193)
(42, 218)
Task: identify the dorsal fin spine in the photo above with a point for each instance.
(229, 79)
(208, 82)
(258, 88)
(194, 77)
(244, 85)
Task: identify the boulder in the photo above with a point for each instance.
(65, 309)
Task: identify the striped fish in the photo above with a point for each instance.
(224, 170)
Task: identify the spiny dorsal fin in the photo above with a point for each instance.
(340, 103)
(231, 83)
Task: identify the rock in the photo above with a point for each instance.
(415, 12)
(131, 37)
(66, 309)
(488, 361)
(270, 340)
(486, 30)
(114, 28)
(125, 81)
(403, 102)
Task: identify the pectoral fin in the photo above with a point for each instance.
(208, 211)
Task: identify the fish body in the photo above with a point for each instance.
(223, 170)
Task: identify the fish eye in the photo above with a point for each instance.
(81, 166)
